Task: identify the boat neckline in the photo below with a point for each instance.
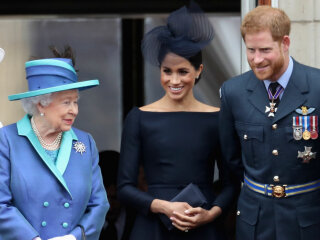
(175, 111)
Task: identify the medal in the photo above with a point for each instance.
(307, 155)
(306, 125)
(306, 135)
(272, 109)
(297, 128)
(313, 135)
(297, 133)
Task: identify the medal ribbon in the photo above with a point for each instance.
(278, 92)
(314, 123)
(306, 123)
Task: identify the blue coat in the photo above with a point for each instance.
(263, 147)
(38, 198)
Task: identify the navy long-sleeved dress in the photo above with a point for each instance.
(175, 149)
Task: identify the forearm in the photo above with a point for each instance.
(159, 206)
(214, 212)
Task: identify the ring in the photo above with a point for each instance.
(187, 230)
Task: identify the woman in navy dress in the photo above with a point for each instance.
(175, 139)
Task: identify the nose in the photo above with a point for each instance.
(175, 79)
(73, 109)
(257, 58)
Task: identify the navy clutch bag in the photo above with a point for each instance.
(190, 194)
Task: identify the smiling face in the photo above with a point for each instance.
(267, 58)
(178, 76)
(61, 113)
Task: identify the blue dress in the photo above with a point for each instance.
(175, 149)
(49, 196)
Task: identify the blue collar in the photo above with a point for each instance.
(25, 129)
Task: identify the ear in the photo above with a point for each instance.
(286, 43)
(199, 71)
(40, 108)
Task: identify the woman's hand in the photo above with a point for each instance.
(167, 208)
(194, 217)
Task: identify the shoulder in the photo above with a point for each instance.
(310, 74)
(153, 107)
(9, 130)
(132, 118)
(239, 80)
(312, 71)
(207, 108)
(79, 132)
(81, 135)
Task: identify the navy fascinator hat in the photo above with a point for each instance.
(187, 32)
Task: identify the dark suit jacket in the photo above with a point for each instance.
(244, 100)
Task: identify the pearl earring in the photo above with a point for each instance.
(41, 114)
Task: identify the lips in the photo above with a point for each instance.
(68, 121)
(175, 89)
(260, 69)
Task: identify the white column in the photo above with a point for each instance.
(246, 6)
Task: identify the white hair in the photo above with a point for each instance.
(29, 105)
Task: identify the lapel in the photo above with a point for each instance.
(258, 96)
(25, 129)
(65, 150)
(294, 94)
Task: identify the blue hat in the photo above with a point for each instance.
(51, 75)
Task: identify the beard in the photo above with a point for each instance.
(273, 70)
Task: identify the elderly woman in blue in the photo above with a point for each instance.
(50, 181)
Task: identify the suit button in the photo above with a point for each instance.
(276, 178)
(245, 137)
(274, 126)
(275, 152)
(65, 225)
(46, 204)
(66, 205)
(238, 213)
(44, 223)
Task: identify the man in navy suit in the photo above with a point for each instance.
(269, 134)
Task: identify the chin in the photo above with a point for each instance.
(262, 76)
(176, 97)
(66, 128)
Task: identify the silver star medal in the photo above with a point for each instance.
(79, 147)
(307, 155)
(271, 110)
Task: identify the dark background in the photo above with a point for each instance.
(111, 6)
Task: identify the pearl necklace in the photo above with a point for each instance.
(48, 146)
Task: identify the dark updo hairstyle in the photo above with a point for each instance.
(196, 61)
(186, 33)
